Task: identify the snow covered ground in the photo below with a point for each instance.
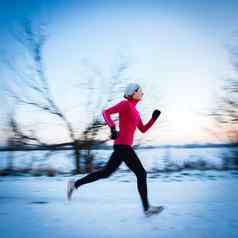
(196, 206)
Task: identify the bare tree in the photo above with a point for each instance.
(31, 88)
(36, 91)
(226, 111)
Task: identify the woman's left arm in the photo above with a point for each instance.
(143, 128)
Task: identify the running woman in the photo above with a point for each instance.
(129, 120)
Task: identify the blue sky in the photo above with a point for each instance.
(175, 49)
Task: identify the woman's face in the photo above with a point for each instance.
(138, 94)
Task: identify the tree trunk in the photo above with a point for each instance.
(77, 157)
(88, 162)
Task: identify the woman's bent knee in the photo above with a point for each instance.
(143, 174)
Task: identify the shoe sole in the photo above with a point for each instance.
(161, 208)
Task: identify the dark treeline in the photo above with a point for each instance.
(98, 145)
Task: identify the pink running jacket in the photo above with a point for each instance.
(129, 119)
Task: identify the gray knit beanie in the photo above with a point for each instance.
(130, 89)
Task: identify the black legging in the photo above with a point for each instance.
(127, 154)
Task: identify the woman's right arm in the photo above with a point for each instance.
(119, 107)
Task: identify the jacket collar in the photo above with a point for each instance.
(133, 101)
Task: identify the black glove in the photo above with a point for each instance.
(155, 114)
(114, 133)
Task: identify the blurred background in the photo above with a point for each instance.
(63, 62)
